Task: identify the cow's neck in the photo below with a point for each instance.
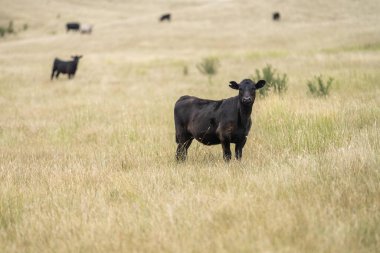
(244, 114)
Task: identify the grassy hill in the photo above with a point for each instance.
(87, 165)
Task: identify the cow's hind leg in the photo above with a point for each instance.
(184, 142)
(52, 74)
(57, 74)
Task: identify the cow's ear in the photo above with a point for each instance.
(260, 84)
(234, 85)
(80, 56)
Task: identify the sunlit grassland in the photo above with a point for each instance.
(87, 165)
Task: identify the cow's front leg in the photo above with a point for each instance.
(239, 150)
(225, 140)
(226, 151)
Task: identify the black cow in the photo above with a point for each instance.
(72, 26)
(166, 17)
(65, 67)
(276, 16)
(216, 122)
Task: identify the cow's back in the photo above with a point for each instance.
(186, 106)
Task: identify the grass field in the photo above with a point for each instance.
(87, 165)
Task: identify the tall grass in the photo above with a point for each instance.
(88, 165)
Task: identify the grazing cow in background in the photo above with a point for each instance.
(86, 28)
(72, 26)
(165, 17)
(65, 67)
(216, 122)
(276, 16)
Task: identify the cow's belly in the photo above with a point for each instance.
(213, 139)
(208, 139)
(238, 138)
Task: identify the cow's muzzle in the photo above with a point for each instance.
(247, 100)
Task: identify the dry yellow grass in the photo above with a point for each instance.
(87, 165)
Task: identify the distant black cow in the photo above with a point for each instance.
(276, 16)
(166, 17)
(72, 26)
(65, 67)
(216, 122)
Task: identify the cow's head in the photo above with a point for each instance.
(247, 90)
(76, 57)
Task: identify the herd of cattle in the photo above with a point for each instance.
(70, 67)
(87, 28)
(210, 122)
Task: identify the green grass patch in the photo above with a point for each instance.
(284, 130)
(11, 209)
(373, 46)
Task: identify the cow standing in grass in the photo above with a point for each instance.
(216, 122)
(72, 26)
(165, 17)
(65, 67)
(276, 16)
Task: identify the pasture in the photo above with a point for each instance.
(88, 164)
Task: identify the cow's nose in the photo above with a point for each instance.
(247, 100)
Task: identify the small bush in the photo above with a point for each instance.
(25, 27)
(209, 66)
(275, 82)
(10, 28)
(2, 31)
(318, 87)
(185, 70)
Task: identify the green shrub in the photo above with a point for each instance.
(318, 87)
(10, 28)
(208, 66)
(2, 31)
(25, 27)
(275, 82)
(185, 70)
